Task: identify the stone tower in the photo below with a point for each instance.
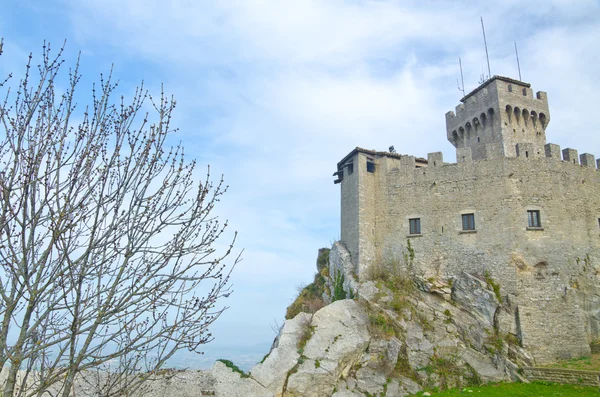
(500, 118)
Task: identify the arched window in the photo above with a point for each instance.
(525, 116)
(509, 112)
(483, 120)
(543, 120)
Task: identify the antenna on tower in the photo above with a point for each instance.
(462, 80)
(518, 65)
(486, 49)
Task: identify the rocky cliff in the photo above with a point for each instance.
(393, 335)
(397, 335)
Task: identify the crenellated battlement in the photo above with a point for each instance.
(524, 150)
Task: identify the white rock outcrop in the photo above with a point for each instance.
(340, 337)
(272, 372)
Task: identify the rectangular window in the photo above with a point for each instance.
(533, 218)
(370, 165)
(350, 168)
(468, 222)
(414, 226)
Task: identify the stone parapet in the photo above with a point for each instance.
(570, 155)
(553, 150)
(435, 159)
(569, 376)
(587, 160)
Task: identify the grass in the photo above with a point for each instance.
(534, 389)
(307, 333)
(310, 297)
(234, 368)
(582, 363)
(381, 326)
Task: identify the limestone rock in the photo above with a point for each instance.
(368, 291)
(339, 340)
(347, 393)
(370, 381)
(402, 386)
(383, 354)
(170, 383)
(409, 385)
(283, 357)
(230, 384)
(340, 262)
(486, 370)
(420, 349)
(476, 297)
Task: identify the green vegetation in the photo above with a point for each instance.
(323, 259)
(310, 297)
(338, 288)
(234, 368)
(403, 367)
(381, 325)
(494, 343)
(448, 314)
(494, 286)
(305, 337)
(534, 389)
(409, 257)
(591, 363)
(447, 369)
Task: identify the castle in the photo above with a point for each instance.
(512, 207)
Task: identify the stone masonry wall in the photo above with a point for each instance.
(549, 273)
(539, 267)
(499, 193)
(570, 376)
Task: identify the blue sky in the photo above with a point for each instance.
(272, 93)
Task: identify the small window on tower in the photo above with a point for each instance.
(533, 219)
(468, 222)
(414, 226)
(370, 165)
(350, 168)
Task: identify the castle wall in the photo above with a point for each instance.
(536, 266)
(499, 193)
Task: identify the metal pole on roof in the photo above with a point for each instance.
(462, 80)
(486, 49)
(518, 65)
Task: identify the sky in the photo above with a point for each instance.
(273, 93)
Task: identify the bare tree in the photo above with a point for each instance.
(108, 260)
